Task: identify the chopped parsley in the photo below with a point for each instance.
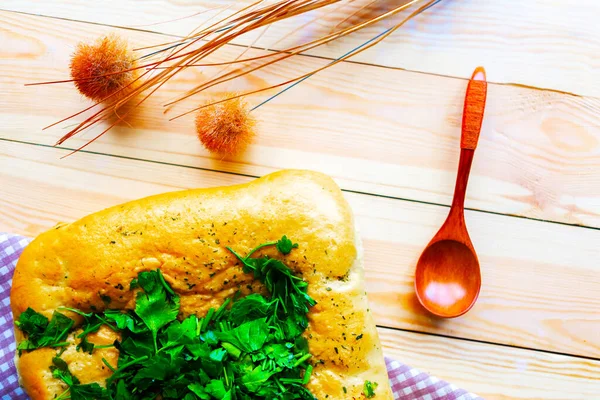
(249, 348)
(285, 245)
(369, 389)
(40, 332)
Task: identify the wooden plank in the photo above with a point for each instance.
(538, 156)
(495, 372)
(541, 281)
(543, 43)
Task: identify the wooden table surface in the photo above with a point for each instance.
(386, 126)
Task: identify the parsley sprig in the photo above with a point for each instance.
(41, 332)
(249, 348)
(369, 389)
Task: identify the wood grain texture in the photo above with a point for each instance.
(395, 135)
(379, 130)
(494, 372)
(542, 43)
(541, 281)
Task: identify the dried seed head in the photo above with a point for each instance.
(226, 128)
(107, 55)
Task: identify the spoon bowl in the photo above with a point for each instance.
(447, 277)
(444, 289)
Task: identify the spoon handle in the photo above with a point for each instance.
(473, 109)
(471, 126)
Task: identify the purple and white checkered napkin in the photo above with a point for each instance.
(407, 383)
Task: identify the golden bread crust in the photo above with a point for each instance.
(184, 234)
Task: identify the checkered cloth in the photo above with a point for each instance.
(407, 383)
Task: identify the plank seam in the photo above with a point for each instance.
(441, 335)
(344, 190)
(350, 61)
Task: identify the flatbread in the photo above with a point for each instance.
(184, 234)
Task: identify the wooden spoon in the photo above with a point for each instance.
(447, 277)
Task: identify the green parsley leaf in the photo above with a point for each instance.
(218, 355)
(133, 284)
(198, 389)
(57, 330)
(199, 350)
(369, 389)
(209, 337)
(125, 321)
(60, 370)
(76, 391)
(40, 332)
(85, 345)
(190, 327)
(32, 323)
(248, 337)
(156, 368)
(155, 306)
(251, 307)
(216, 388)
(232, 350)
(139, 347)
(256, 378)
(285, 245)
(281, 354)
(89, 391)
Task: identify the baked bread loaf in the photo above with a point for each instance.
(185, 233)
